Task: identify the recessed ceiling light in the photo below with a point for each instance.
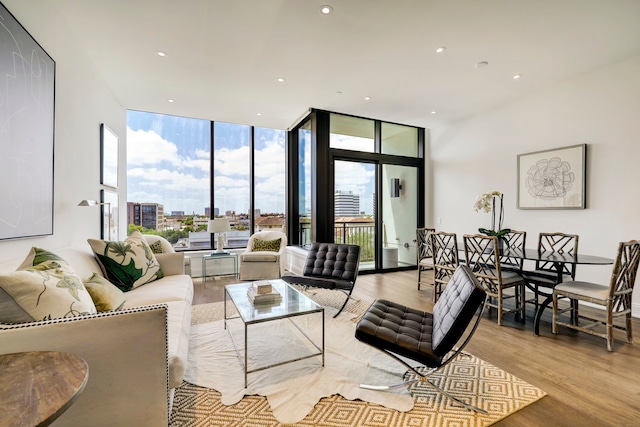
(259, 114)
(441, 49)
(367, 98)
(482, 64)
(161, 53)
(170, 100)
(433, 112)
(280, 79)
(326, 9)
(517, 76)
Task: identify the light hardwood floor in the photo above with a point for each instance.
(586, 385)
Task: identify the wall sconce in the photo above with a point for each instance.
(395, 187)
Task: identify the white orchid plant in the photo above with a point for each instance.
(487, 202)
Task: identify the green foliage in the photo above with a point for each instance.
(498, 233)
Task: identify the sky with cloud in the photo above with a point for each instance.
(168, 162)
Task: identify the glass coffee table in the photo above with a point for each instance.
(293, 304)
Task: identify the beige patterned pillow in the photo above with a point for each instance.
(156, 247)
(266, 245)
(127, 264)
(44, 287)
(105, 295)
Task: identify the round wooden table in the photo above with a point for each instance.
(37, 386)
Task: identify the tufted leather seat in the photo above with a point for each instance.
(427, 338)
(330, 266)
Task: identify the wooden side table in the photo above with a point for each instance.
(37, 387)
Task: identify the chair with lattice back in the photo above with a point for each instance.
(513, 240)
(615, 297)
(545, 273)
(482, 256)
(425, 254)
(444, 247)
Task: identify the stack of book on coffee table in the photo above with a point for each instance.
(263, 293)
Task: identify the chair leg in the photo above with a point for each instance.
(499, 307)
(343, 305)
(609, 326)
(455, 399)
(421, 378)
(419, 276)
(523, 304)
(629, 333)
(554, 324)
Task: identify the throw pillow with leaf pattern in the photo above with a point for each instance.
(127, 264)
(156, 247)
(44, 287)
(266, 245)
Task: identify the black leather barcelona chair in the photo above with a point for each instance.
(431, 339)
(330, 266)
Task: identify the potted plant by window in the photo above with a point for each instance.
(487, 202)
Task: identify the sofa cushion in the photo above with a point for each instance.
(170, 288)
(266, 245)
(105, 295)
(259, 256)
(127, 264)
(44, 287)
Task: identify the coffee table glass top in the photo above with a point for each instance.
(293, 303)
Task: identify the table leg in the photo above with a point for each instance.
(547, 300)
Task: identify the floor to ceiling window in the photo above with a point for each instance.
(370, 175)
(186, 171)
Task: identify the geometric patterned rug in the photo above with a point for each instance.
(468, 377)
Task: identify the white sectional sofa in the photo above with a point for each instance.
(136, 355)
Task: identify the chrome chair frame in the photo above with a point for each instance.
(456, 350)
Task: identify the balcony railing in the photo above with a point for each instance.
(361, 234)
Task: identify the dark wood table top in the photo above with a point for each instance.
(37, 387)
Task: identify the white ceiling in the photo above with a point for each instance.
(224, 56)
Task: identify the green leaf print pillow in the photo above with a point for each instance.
(127, 264)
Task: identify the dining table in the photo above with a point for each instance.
(559, 259)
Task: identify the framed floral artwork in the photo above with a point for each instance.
(553, 179)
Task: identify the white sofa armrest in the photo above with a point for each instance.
(127, 356)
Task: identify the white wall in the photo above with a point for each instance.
(82, 102)
(601, 109)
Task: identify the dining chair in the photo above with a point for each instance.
(545, 273)
(515, 240)
(444, 247)
(615, 297)
(425, 254)
(482, 256)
